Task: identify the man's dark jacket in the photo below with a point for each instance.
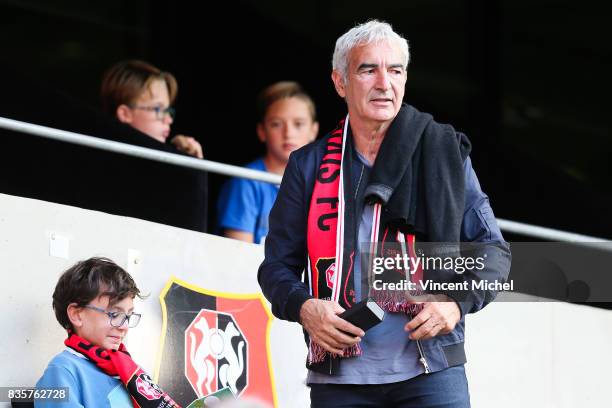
(280, 274)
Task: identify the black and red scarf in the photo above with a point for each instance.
(118, 363)
(420, 169)
(330, 234)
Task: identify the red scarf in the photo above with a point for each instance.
(330, 252)
(143, 391)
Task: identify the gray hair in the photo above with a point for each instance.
(373, 31)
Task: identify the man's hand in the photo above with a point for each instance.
(188, 145)
(439, 315)
(319, 318)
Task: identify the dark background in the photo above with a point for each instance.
(526, 80)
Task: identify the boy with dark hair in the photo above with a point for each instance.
(94, 301)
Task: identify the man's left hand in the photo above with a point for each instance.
(438, 316)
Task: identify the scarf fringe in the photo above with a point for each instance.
(396, 302)
(317, 354)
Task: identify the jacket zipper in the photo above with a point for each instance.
(423, 360)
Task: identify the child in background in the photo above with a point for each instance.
(94, 302)
(286, 121)
(140, 95)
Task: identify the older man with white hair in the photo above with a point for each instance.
(387, 176)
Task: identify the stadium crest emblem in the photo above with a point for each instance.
(212, 340)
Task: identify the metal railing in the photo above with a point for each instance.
(137, 151)
(236, 171)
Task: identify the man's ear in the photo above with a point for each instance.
(338, 83)
(261, 133)
(124, 114)
(74, 315)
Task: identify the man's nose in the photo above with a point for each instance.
(383, 80)
(168, 119)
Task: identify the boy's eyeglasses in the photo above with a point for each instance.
(117, 319)
(160, 113)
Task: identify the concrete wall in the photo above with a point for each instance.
(520, 354)
(32, 336)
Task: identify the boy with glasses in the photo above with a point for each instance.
(140, 95)
(94, 302)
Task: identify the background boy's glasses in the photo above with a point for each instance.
(118, 318)
(160, 112)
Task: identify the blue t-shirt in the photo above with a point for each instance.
(244, 205)
(88, 386)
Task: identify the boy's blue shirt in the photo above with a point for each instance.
(245, 205)
(87, 385)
